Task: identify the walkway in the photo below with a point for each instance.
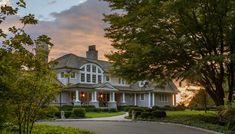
(120, 118)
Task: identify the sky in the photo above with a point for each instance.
(73, 25)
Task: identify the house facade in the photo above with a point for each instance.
(87, 81)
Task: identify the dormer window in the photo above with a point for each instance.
(121, 81)
(72, 75)
(107, 79)
(91, 73)
(62, 75)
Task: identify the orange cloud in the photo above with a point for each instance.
(75, 29)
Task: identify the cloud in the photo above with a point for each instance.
(75, 29)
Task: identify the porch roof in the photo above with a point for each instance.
(106, 87)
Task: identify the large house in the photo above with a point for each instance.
(87, 81)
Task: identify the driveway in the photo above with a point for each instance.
(111, 127)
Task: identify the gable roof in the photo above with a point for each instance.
(73, 61)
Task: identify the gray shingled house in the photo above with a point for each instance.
(86, 81)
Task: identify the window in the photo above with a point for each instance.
(107, 79)
(141, 97)
(91, 73)
(121, 81)
(61, 74)
(163, 97)
(73, 75)
(82, 77)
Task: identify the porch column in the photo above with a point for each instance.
(153, 99)
(77, 96)
(94, 99)
(149, 100)
(123, 98)
(94, 96)
(112, 97)
(112, 103)
(135, 103)
(77, 101)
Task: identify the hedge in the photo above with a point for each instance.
(79, 112)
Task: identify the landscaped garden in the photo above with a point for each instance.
(77, 112)
(212, 119)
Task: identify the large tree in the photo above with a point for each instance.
(163, 40)
(27, 81)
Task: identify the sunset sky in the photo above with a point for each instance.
(73, 25)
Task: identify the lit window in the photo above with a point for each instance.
(142, 97)
(73, 75)
(61, 74)
(163, 98)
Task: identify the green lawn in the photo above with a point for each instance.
(46, 129)
(102, 114)
(195, 118)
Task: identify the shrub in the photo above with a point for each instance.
(79, 112)
(67, 108)
(95, 110)
(125, 108)
(227, 116)
(137, 114)
(145, 115)
(51, 111)
(67, 114)
(58, 114)
(156, 108)
(141, 109)
(159, 114)
(105, 110)
(112, 110)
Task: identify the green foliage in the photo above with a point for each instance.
(67, 114)
(79, 112)
(67, 108)
(158, 114)
(50, 112)
(164, 40)
(46, 129)
(145, 115)
(135, 109)
(27, 81)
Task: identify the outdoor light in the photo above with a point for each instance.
(83, 94)
(101, 95)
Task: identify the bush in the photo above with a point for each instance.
(141, 109)
(227, 116)
(105, 110)
(145, 115)
(79, 112)
(67, 108)
(125, 108)
(156, 108)
(51, 111)
(58, 114)
(112, 110)
(137, 114)
(67, 114)
(159, 114)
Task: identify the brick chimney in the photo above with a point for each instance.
(92, 53)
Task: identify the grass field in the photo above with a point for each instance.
(102, 114)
